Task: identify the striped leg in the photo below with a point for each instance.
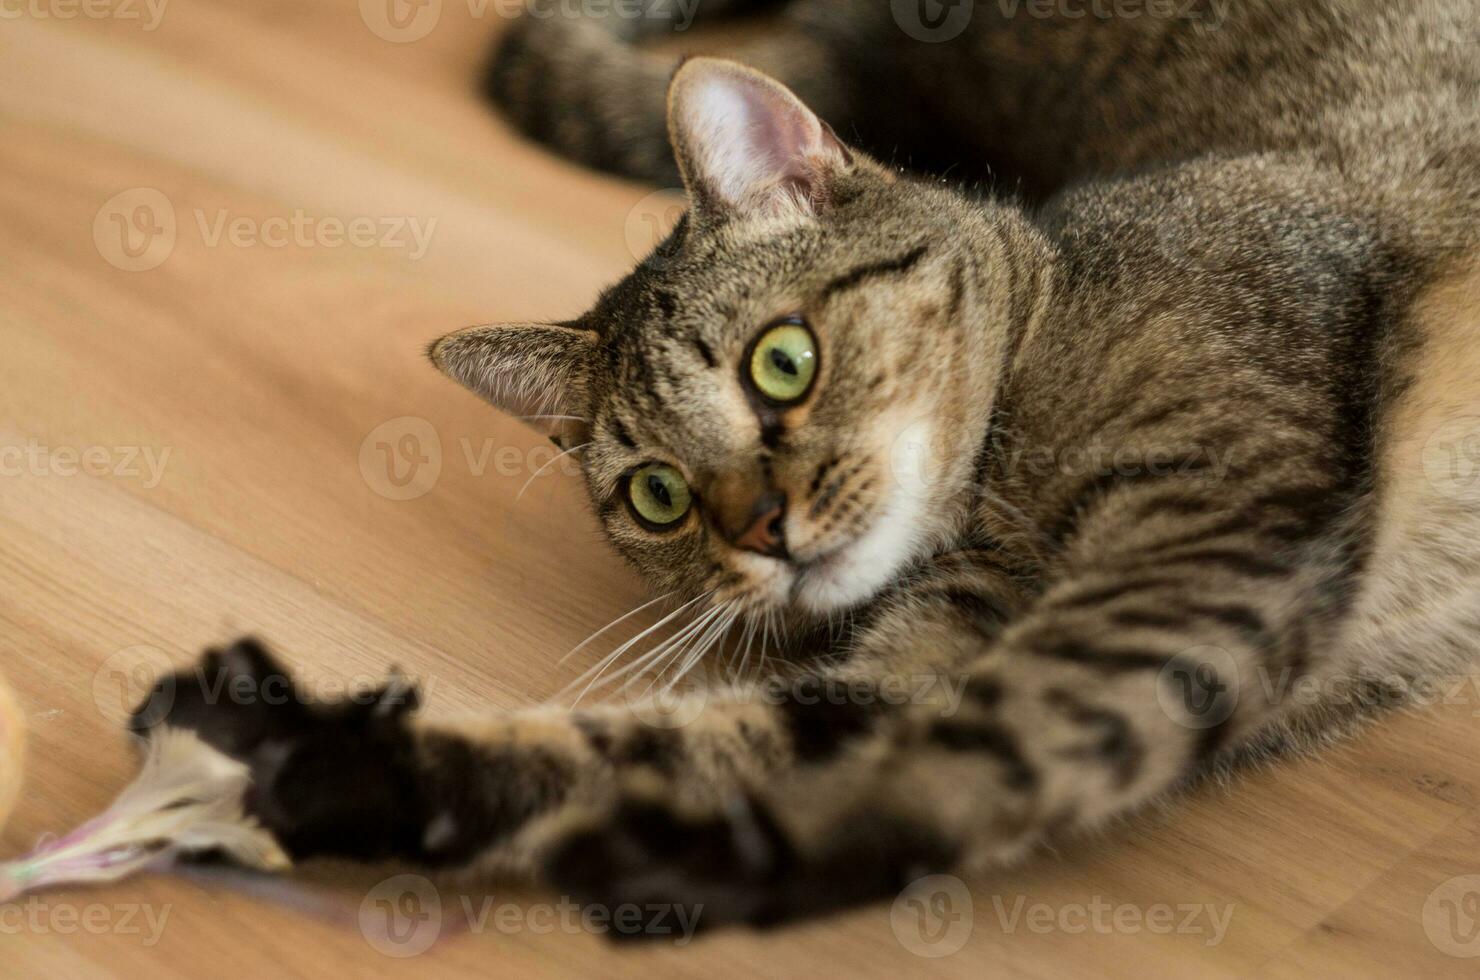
(583, 86)
(365, 778)
(1125, 679)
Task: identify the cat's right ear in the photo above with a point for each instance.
(747, 146)
(539, 372)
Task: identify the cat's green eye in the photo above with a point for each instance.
(659, 494)
(783, 362)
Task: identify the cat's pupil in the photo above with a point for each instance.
(659, 491)
(783, 362)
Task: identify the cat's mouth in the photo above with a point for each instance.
(843, 577)
(864, 566)
(818, 578)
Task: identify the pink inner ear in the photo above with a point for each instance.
(748, 141)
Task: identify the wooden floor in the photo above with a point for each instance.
(231, 386)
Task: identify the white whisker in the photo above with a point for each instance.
(535, 475)
(670, 645)
(764, 656)
(647, 657)
(596, 670)
(747, 637)
(702, 647)
(582, 645)
(669, 650)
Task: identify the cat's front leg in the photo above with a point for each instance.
(1058, 730)
(365, 778)
(1129, 675)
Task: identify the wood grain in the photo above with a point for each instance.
(257, 374)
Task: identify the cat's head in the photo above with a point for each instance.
(783, 403)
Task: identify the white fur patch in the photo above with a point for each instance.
(866, 565)
(723, 127)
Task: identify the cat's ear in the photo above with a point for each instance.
(746, 145)
(540, 372)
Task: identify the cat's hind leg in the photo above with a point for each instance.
(584, 86)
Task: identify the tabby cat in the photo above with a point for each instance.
(1056, 484)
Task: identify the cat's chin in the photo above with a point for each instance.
(840, 581)
(864, 567)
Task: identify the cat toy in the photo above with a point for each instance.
(186, 799)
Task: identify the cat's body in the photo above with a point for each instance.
(1107, 488)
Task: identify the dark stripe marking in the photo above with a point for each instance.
(1242, 562)
(819, 725)
(705, 352)
(990, 739)
(863, 273)
(1110, 593)
(1116, 746)
(620, 433)
(986, 613)
(1114, 661)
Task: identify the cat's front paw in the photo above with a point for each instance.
(234, 698)
(328, 777)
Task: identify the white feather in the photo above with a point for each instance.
(187, 798)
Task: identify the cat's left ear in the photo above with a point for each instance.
(746, 145)
(540, 372)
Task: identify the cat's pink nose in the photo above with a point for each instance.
(766, 534)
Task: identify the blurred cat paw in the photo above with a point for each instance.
(328, 777)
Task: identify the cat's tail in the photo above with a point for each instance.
(580, 84)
